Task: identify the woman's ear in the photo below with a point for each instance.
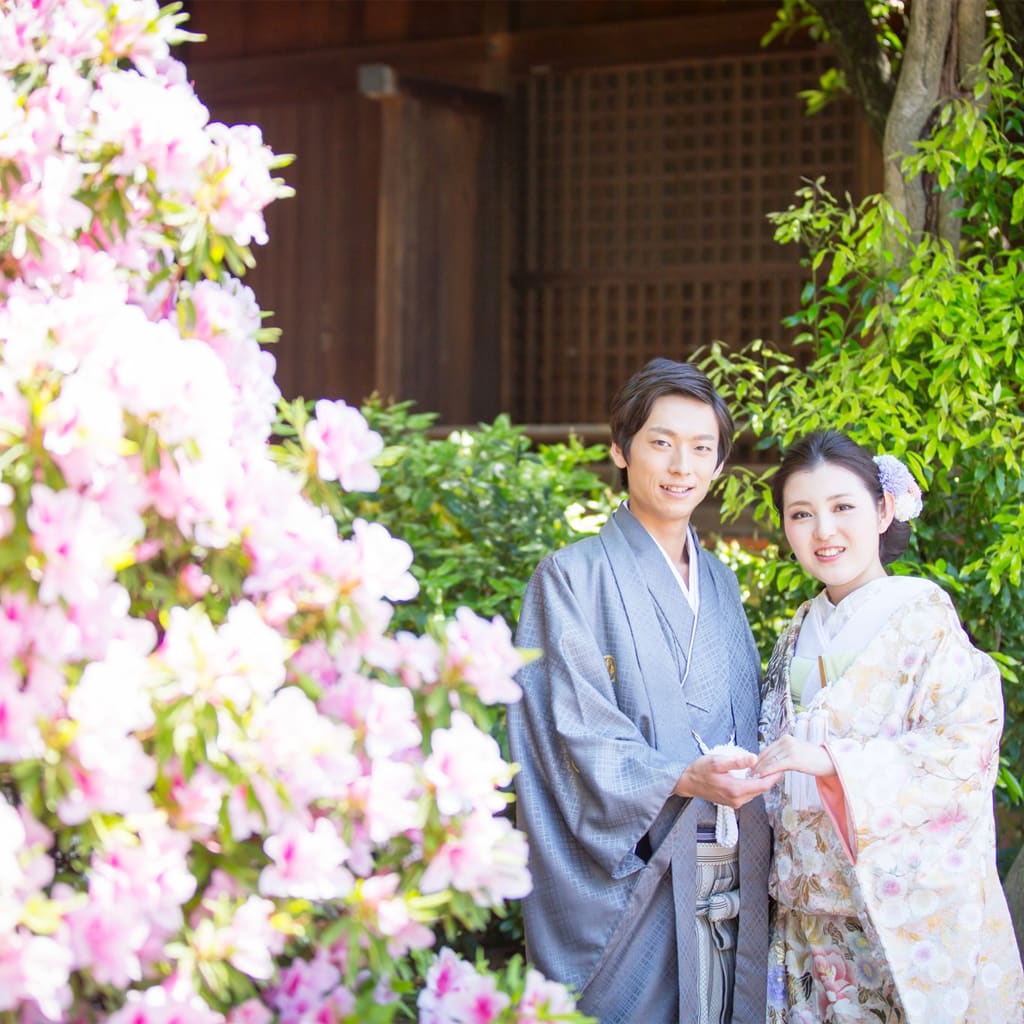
(886, 512)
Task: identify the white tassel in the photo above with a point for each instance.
(801, 788)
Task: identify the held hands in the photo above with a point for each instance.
(722, 779)
(788, 754)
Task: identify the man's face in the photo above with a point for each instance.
(672, 460)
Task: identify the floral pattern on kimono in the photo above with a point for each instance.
(889, 904)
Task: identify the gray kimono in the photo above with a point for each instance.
(603, 732)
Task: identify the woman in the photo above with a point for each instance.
(885, 723)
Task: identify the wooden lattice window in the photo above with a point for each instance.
(645, 191)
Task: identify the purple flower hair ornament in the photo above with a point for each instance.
(896, 480)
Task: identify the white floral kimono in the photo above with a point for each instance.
(889, 907)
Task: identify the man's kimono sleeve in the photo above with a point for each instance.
(584, 728)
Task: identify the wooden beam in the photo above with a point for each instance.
(641, 41)
(473, 60)
(322, 72)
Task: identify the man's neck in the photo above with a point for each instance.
(671, 538)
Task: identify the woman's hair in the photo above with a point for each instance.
(631, 407)
(835, 447)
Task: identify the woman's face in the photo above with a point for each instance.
(833, 524)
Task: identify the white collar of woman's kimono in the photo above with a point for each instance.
(858, 618)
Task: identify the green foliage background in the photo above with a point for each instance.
(915, 349)
(480, 508)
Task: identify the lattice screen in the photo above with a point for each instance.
(645, 193)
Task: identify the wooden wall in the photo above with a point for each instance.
(403, 264)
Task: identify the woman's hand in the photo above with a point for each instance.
(788, 754)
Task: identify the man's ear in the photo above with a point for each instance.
(617, 457)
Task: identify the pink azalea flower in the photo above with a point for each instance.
(480, 1002)
(392, 795)
(543, 1000)
(382, 562)
(447, 975)
(34, 969)
(481, 653)
(20, 715)
(487, 860)
(237, 175)
(252, 1011)
(465, 768)
(306, 863)
(179, 587)
(194, 580)
(345, 446)
(107, 938)
(307, 987)
(195, 803)
(158, 1005)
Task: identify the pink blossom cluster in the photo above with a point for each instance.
(227, 790)
(457, 994)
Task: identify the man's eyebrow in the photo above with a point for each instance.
(656, 428)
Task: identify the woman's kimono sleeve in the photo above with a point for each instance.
(916, 765)
(583, 730)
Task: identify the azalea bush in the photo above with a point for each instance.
(480, 507)
(229, 788)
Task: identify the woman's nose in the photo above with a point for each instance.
(823, 525)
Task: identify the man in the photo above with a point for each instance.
(648, 662)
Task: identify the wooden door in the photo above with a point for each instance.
(440, 231)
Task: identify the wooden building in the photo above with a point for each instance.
(510, 205)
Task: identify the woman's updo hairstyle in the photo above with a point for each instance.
(835, 447)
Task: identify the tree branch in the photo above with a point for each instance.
(864, 62)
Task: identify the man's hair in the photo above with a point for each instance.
(632, 406)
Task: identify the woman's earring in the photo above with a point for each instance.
(792, 556)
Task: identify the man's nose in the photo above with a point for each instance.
(680, 460)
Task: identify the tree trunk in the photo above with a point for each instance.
(914, 103)
(969, 37)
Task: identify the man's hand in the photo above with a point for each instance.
(717, 779)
